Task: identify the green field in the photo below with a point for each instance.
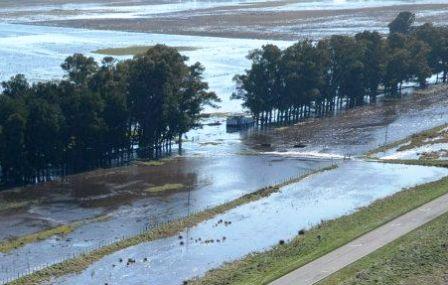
(420, 258)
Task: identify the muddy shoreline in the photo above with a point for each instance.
(267, 20)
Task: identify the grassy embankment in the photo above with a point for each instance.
(134, 50)
(81, 262)
(15, 243)
(420, 257)
(414, 140)
(264, 267)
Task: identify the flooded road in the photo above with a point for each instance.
(255, 226)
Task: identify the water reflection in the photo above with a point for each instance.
(256, 226)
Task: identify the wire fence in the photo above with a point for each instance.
(21, 269)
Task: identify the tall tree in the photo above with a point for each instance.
(79, 68)
(260, 87)
(402, 23)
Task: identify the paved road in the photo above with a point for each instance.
(362, 246)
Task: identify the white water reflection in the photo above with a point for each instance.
(255, 226)
(348, 4)
(38, 51)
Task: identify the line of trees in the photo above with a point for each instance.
(98, 114)
(316, 78)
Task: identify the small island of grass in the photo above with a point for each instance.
(134, 50)
(165, 188)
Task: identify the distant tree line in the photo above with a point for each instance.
(98, 113)
(316, 78)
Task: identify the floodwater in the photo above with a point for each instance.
(356, 131)
(347, 4)
(216, 166)
(225, 169)
(212, 182)
(74, 10)
(38, 51)
(255, 226)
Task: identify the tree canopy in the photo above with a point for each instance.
(98, 113)
(320, 76)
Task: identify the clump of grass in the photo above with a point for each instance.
(423, 162)
(15, 243)
(410, 142)
(9, 245)
(134, 50)
(150, 162)
(420, 139)
(264, 267)
(80, 263)
(420, 257)
(165, 188)
(5, 206)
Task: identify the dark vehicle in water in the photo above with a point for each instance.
(239, 121)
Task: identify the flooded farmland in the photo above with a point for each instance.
(255, 226)
(216, 166)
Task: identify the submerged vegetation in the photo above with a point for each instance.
(165, 188)
(14, 243)
(264, 267)
(81, 262)
(99, 115)
(317, 78)
(426, 157)
(412, 141)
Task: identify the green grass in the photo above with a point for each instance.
(14, 205)
(8, 245)
(423, 162)
(414, 140)
(420, 257)
(15, 243)
(80, 263)
(264, 267)
(133, 50)
(151, 162)
(165, 188)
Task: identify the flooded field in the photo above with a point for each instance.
(216, 166)
(358, 130)
(255, 226)
(277, 19)
(38, 51)
(130, 209)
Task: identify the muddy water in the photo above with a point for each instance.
(255, 226)
(223, 171)
(38, 51)
(358, 130)
(131, 209)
